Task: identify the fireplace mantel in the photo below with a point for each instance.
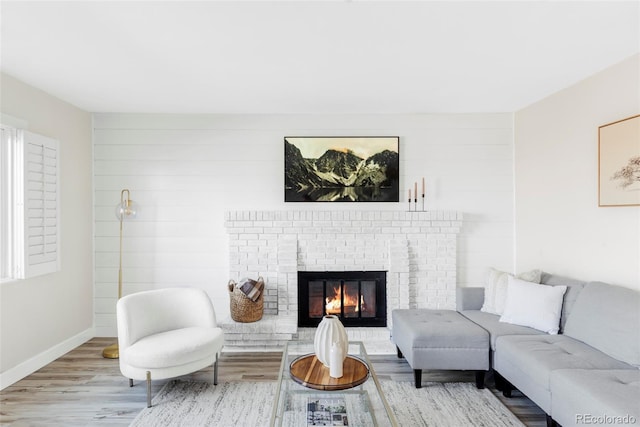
(416, 249)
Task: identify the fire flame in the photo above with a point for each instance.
(333, 305)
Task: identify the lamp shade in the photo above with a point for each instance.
(126, 209)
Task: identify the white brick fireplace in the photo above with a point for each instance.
(416, 249)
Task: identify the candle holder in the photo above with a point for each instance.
(409, 204)
(416, 204)
(423, 203)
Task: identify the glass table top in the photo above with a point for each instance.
(298, 405)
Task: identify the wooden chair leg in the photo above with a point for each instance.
(399, 353)
(148, 389)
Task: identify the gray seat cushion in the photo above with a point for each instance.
(491, 323)
(528, 360)
(580, 393)
(440, 339)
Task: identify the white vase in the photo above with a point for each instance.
(330, 330)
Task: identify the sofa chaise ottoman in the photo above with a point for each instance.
(440, 340)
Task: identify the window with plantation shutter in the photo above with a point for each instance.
(31, 204)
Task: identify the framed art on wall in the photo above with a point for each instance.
(619, 163)
(341, 169)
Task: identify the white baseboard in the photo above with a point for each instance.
(28, 367)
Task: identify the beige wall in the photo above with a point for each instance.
(43, 317)
(559, 226)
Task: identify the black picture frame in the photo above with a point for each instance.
(341, 168)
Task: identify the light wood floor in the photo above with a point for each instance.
(81, 388)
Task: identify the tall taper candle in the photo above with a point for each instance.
(415, 190)
(422, 186)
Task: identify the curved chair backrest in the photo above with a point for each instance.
(151, 312)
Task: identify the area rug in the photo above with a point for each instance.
(239, 404)
(446, 404)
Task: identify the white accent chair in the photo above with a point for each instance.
(166, 333)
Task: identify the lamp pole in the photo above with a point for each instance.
(124, 209)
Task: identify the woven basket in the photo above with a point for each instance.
(242, 308)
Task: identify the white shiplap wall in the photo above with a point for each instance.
(185, 171)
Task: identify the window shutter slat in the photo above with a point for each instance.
(41, 205)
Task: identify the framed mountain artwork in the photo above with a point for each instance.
(619, 163)
(341, 169)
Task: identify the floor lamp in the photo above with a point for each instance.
(124, 210)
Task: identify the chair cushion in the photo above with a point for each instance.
(174, 348)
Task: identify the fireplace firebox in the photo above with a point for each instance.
(358, 298)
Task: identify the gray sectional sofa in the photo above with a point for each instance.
(589, 372)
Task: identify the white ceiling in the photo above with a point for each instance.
(312, 57)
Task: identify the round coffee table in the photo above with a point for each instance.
(308, 371)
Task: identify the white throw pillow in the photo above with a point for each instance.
(533, 305)
(490, 282)
(495, 288)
